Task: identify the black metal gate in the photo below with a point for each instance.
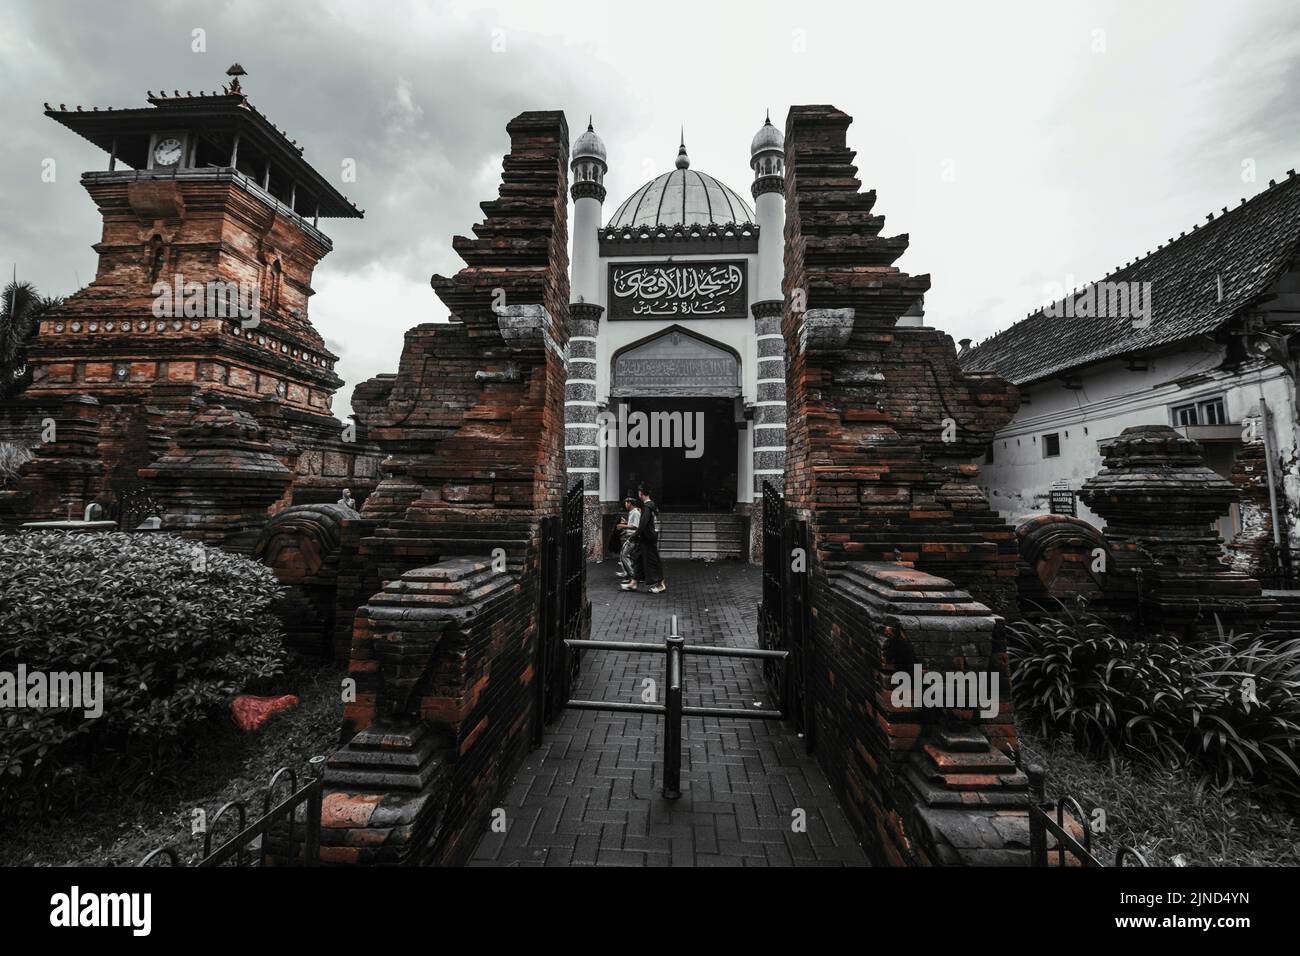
(563, 569)
(784, 618)
(674, 710)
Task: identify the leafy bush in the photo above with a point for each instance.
(12, 457)
(175, 628)
(1228, 705)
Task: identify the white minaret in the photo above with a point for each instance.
(581, 446)
(767, 159)
(588, 194)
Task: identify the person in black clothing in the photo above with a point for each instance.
(652, 568)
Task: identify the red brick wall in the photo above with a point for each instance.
(476, 415)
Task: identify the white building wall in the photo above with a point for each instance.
(1113, 398)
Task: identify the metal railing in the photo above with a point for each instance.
(1041, 826)
(673, 710)
(275, 832)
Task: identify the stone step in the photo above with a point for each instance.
(705, 534)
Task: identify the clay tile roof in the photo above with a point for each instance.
(230, 106)
(1247, 248)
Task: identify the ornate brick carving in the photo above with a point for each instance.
(301, 544)
(1059, 553)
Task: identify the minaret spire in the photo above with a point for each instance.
(683, 161)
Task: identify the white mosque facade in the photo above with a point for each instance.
(675, 331)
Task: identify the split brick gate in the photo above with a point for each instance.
(460, 611)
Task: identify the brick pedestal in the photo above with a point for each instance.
(408, 781)
(220, 482)
(66, 475)
(1160, 502)
(923, 785)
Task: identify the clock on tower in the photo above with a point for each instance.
(167, 151)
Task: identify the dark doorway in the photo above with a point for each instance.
(679, 482)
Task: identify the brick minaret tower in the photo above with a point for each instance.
(210, 237)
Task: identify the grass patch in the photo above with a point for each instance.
(1167, 813)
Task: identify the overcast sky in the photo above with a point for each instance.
(1021, 145)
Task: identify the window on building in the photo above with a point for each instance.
(1052, 445)
(988, 454)
(1209, 411)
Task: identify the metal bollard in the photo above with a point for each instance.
(673, 714)
(314, 811)
(1037, 831)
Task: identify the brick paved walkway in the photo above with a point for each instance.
(590, 794)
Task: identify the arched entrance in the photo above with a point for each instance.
(676, 404)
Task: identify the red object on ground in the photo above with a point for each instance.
(251, 712)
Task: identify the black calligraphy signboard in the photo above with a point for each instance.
(712, 289)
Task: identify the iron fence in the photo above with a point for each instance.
(785, 615)
(277, 835)
(562, 610)
(1042, 826)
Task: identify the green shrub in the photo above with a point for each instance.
(175, 628)
(1230, 706)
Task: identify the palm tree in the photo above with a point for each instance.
(20, 316)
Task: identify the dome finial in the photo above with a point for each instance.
(767, 149)
(589, 146)
(683, 161)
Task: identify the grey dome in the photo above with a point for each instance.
(768, 137)
(682, 197)
(588, 146)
